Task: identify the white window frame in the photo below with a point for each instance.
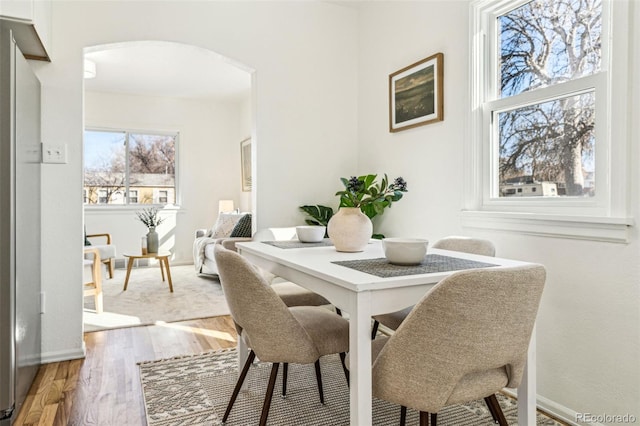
(128, 205)
(601, 217)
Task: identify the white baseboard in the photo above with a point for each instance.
(556, 410)
(64, 355)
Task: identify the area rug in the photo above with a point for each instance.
(148, 300)
(195, 390)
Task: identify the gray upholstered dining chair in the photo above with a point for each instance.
(462, 244)
(465, 340)
(274, 332)
(291, 294)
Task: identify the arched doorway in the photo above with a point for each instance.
(164, 123)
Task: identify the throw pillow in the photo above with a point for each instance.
(243, 227)
(225, 224)
(86, 240)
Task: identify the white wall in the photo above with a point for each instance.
(589, 320)
(305, 59)
(208, 164)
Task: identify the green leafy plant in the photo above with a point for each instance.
(369, 195)
(320, 215)
(363, 192)
(150, 217)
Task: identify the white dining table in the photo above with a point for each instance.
(363, 295)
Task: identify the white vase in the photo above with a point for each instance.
(350, 230)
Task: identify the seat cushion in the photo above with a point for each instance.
(394, 319)
(106, 251)
(478, 385)
(328, 330)
(295, 295)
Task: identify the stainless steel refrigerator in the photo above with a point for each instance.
(20, 293)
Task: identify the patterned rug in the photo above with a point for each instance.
(148, 300)
(195, 390)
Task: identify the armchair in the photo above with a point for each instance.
(107, 251)
(93, 286)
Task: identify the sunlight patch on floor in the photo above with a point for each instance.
(203, 331)
(109, 319)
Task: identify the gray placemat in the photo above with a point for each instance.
(291, 244)
(381, 267)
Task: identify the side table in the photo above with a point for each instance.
(162, 256)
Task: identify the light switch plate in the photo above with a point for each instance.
(54, 153)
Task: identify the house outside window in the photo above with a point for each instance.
(103, 197)
(133, 196)
(544, 131)
(140, 164)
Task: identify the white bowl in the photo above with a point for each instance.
(310, 233)
(405, 251)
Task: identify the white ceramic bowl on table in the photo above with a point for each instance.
(405, 251)
(310, 233)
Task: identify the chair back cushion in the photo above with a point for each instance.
(466, 245)
(472, 329)
(266, 323)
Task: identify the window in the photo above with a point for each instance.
(545, 133)
(133, 196)
(127, 167)
(547, 58)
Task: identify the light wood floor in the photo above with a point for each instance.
(104, 388)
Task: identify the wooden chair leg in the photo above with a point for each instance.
(285, 370)
(96, 274)
(344, 366)
(267, 398)
(496, 411)
(236, 390)
(374, 329)
(319, 380)
(424, 418)
(403, 415)
(434, 419)
(110, 262)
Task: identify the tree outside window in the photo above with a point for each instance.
(547, 141)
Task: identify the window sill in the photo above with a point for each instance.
(130, 208)
(609, 229)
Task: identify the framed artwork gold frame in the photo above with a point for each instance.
(416, 94)
(245, 163)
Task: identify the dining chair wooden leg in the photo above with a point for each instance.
(403, 415)
(434, 419)
(285, 370)
(267, 398)
(424, 418)
(236, 390)
(374, 329)
(319, 380)
(496, 411)
(111, 261)
(491, 409)
(344, 366)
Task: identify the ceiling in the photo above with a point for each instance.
(166, 69)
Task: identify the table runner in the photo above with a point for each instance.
(381, 267)
(291, 244)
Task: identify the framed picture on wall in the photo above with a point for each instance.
(245, 160)
(416, 94)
